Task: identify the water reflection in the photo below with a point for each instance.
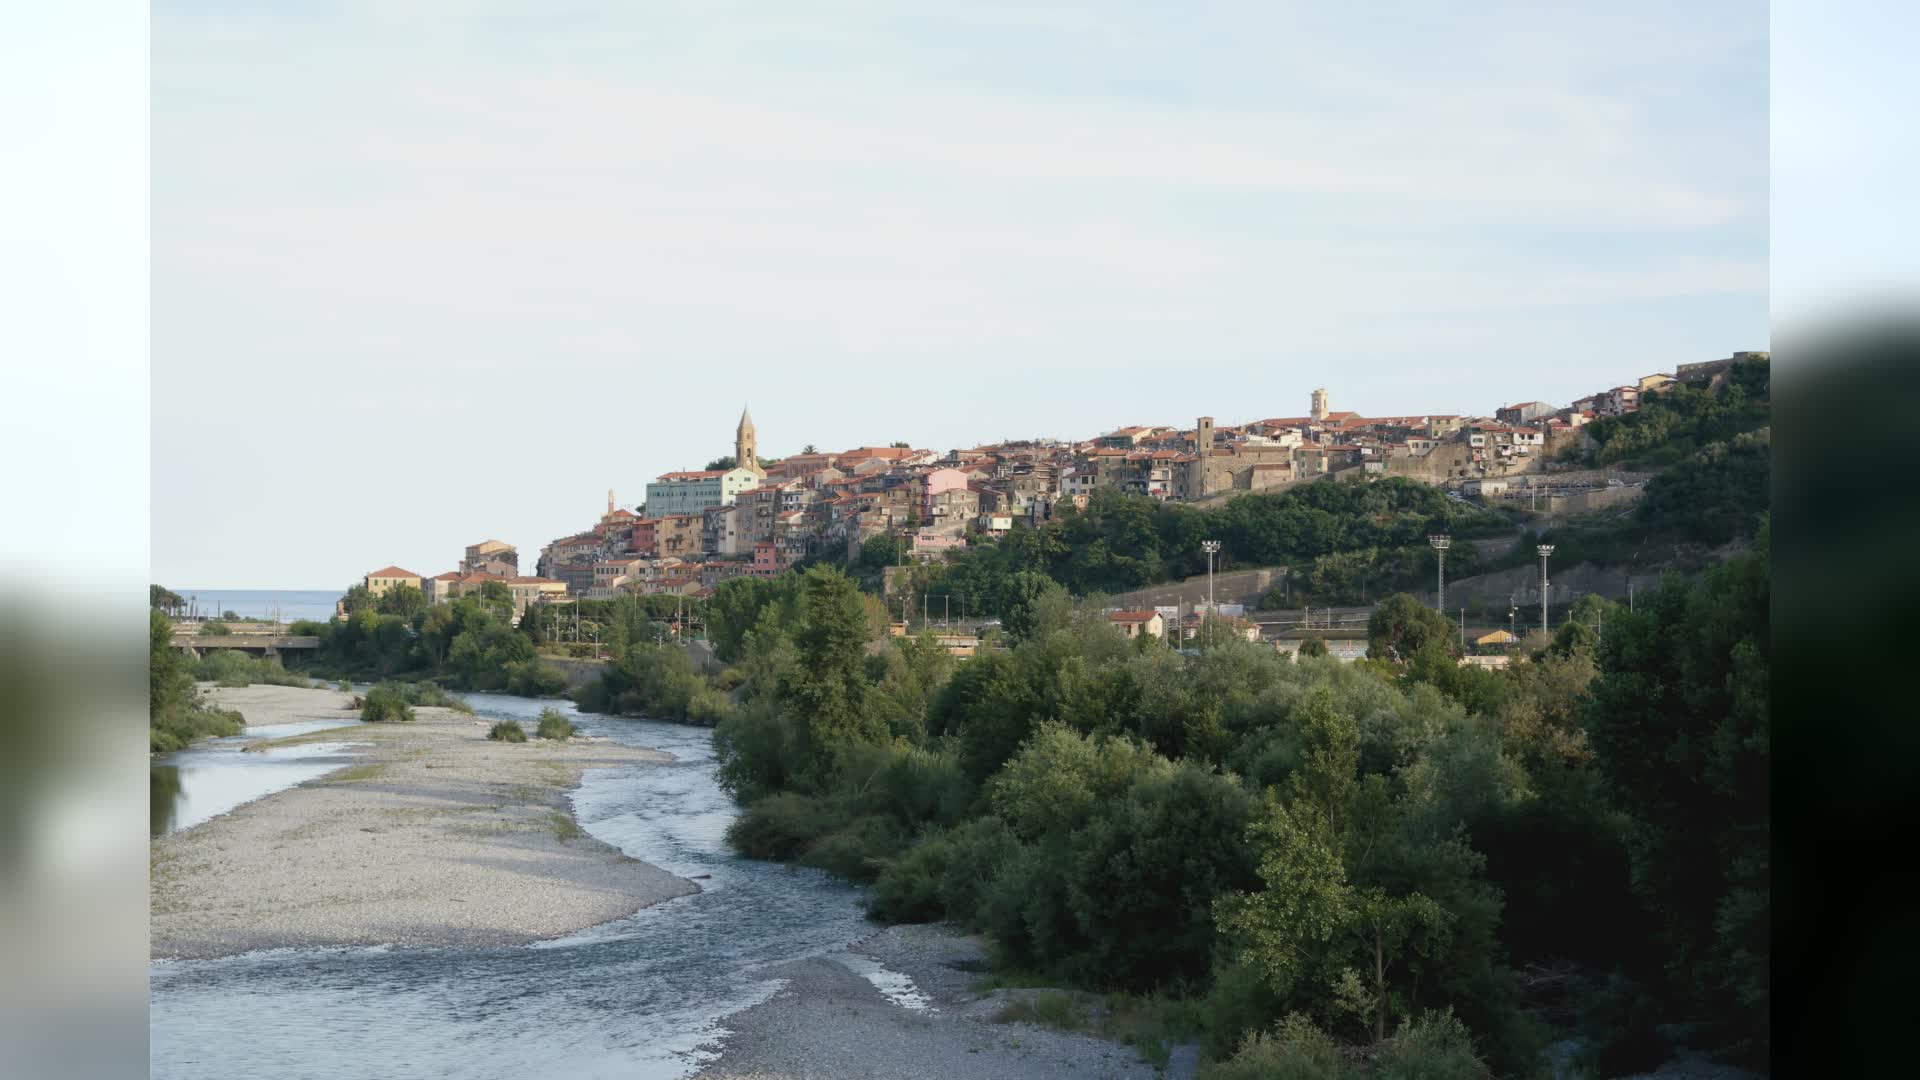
(164, 789)
(196, 785)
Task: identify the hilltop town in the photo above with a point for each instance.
(749, 516)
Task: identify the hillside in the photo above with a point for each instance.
(1712, 458)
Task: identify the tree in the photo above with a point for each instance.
(164, 600)
(1022, 601)
(357, 599)
(825, 691)
(1681, 728)
(403, 600)
(1313, 645)
(1401, 626)
(722, 463)
(496, 596)
(1305, 903)
(809, 449)
(879, 550)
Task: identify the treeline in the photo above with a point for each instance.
(176, 715)
(473, 642)
(470, 643)
(1344, 540)
(1309, 858)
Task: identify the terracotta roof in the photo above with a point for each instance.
(393, 571)
(451, 575)
(695, 474)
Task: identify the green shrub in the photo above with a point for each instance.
(1294, 1050)
(433, 695)
(231, 667)
(730, 679)
(945, 876)
(215, 628)
(757, 748)
(555, 726)
(1049, 1008)
(343, 686)
(507, 731)
(386, 703)
(172, 729)
(1434, 1047)
(908, 888)
(780, 826)
(857, 850)
(914, 785)
(531, 678)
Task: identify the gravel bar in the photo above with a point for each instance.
(829, 1023)
(432, 835)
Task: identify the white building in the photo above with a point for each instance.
(693, 492)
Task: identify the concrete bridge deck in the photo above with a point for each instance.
(266, 643)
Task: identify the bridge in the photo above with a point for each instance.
(265, 639)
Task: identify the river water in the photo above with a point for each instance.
(635, 998)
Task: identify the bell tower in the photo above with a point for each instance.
(746, 455)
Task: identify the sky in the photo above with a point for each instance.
(428, 272)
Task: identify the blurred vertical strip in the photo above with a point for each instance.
(1846, 310)
(73, 550)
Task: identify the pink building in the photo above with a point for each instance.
(766, 560)
(935, 482)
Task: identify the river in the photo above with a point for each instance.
(634, 998)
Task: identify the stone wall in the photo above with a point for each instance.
(1231, 587)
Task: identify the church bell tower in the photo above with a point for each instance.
(745, 454)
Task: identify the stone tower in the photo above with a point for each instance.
(745, 454)
(1320, 404)
(1202, 452)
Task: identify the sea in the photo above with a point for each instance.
(281, 605)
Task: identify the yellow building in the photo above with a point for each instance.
(380, 581)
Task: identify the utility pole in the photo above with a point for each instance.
(1440, 546)
(1463, 629)
(1544, 550)
(1212, 548)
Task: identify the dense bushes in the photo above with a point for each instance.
(657, 681)
(1345, 843)
(531, 678)
(175, 714)
(507, 731)
(386, 703)
(231, 667)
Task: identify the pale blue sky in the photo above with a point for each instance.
(449, 270)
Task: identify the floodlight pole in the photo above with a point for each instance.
(1544, 550)
(1440, 546)
(1211, 547)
